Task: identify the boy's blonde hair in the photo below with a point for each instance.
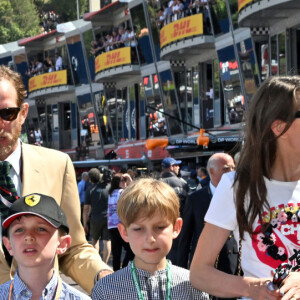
(147, 196)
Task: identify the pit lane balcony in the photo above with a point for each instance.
(50, 83)
(275, 14)
(117, 65)
(188, 38)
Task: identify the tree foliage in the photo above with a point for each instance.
(18, 20)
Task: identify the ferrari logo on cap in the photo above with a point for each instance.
(32, 200)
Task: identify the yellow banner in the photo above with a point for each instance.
(113, 58)
(243, 3)
(47, 80)
(180, 29)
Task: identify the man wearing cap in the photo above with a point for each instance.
(26, 169)
(170, 171)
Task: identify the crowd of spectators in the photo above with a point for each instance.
(115, 39)
(49, 20)
(39, 66)
(177, 9)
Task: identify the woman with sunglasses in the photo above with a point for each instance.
(259, 202)
(118, 183)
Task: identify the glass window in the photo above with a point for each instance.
(170, 103)
(155, 31)
(89, 133)
(233, 4)
(248, 66)
(219, 16)
(105, 126)
(155, 121)
(196, 102)
(87, 39)
(234, 98)
(218, 107)
(111, 114)
(274, 56)
(282, 55)
(142, 34)
(122, 120)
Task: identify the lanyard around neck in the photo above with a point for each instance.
(138, 286)
(56, 296)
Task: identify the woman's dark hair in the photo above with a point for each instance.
(278, 98)
(115, 183)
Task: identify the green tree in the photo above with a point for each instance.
(18, 21)
(67, 9)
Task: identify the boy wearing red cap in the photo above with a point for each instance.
(34, 232)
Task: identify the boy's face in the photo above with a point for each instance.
(34, 242)
(151, 240)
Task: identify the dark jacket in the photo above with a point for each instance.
(179, 185)
(193, 223)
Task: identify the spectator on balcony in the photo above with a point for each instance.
(109, 42)
(58, 62)
(177, 9)
(116, 38)
(132, 38)
(122, 36)
(160, 18)
(38, 67)
(126, 37)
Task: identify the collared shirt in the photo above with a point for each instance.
(81, 190)
(15, 172)
(120, 285)
(212, 188)
(21, 292)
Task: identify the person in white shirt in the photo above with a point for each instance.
(58, 62)
(259, 202)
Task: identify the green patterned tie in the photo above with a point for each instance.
(8, 192)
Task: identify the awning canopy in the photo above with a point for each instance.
(38, 38)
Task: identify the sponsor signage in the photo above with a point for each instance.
(243, 3)
(48, 80)
(112, 59)
(185, 27)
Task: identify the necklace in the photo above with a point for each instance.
(56, 296)
(138, 287)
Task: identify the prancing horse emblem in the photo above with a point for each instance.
(32, 200)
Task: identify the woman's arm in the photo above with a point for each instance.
(204, 276)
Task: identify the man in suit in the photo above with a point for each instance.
(194, 213)
(37, 169)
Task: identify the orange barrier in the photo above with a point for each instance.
(151, 144)
(201, 140)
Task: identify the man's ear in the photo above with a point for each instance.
(24, 112)
(278, 127)
(7, 245)
(123, 232)
(177, 228)
(64, 243)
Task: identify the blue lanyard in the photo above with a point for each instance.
(138, 287)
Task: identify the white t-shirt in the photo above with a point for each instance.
(112, 216)
(261, 254)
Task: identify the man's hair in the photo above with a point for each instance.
(94, 175)
(147, 196)
(16, 80)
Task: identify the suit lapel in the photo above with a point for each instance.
(32, 170)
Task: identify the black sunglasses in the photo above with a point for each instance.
(9, 113)
(297, 114)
